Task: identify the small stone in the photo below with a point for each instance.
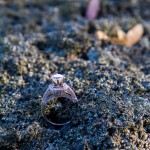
(57, 78)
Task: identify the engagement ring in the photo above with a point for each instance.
(59, 102)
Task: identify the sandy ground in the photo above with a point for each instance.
(112, 82)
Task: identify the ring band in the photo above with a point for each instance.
(59, 102)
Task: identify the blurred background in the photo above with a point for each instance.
(102, 21)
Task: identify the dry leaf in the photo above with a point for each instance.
(101, 35)
(121, 34)
(127, 39)
(134, 35)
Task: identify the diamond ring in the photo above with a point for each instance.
(59, 102)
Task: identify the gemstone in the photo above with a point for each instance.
(57, 78)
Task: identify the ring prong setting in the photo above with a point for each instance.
(57, 79)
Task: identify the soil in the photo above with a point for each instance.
(112, 82)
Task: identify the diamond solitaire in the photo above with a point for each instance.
(57, 79)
